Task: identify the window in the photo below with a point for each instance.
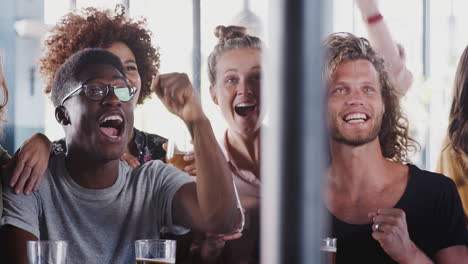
(428, 101)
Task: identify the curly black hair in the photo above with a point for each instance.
(93, 28)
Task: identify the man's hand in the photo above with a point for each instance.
(391, 231)
(30, 162)
(178, 95)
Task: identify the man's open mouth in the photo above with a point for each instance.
(112, 126)
(245, 109)
(355, 118)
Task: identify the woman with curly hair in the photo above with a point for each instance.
(114, 31)
(126, 38)
(131, 42)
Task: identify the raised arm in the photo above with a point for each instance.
(210, 205)
(382, 41)
(13, 244)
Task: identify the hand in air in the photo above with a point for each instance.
(176, 92)
(30, 162)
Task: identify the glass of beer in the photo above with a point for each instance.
(51, 252)
(328, 250)
(178, 146)
(155, 251)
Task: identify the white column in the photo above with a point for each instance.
(294, 145)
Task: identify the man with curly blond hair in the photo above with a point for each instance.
(382, 210)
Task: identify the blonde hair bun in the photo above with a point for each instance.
(226, 33)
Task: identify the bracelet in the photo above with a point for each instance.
(374, 19)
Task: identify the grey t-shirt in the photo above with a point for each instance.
(100, 226)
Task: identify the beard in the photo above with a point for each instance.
(357, 139)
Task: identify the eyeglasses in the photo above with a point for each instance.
(97, 91)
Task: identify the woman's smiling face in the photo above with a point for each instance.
(237, 89)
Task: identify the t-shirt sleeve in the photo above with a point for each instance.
(20, 210)
(452, 217)
(169, 182)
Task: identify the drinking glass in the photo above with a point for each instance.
(328, 250)
(155, 251)
(240, 215)
(47, 252)
(178, 146)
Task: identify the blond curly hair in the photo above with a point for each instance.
(393, 136)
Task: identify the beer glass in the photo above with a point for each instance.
(328, 250)
(47, 252)
(178, 146)
(153, 251)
